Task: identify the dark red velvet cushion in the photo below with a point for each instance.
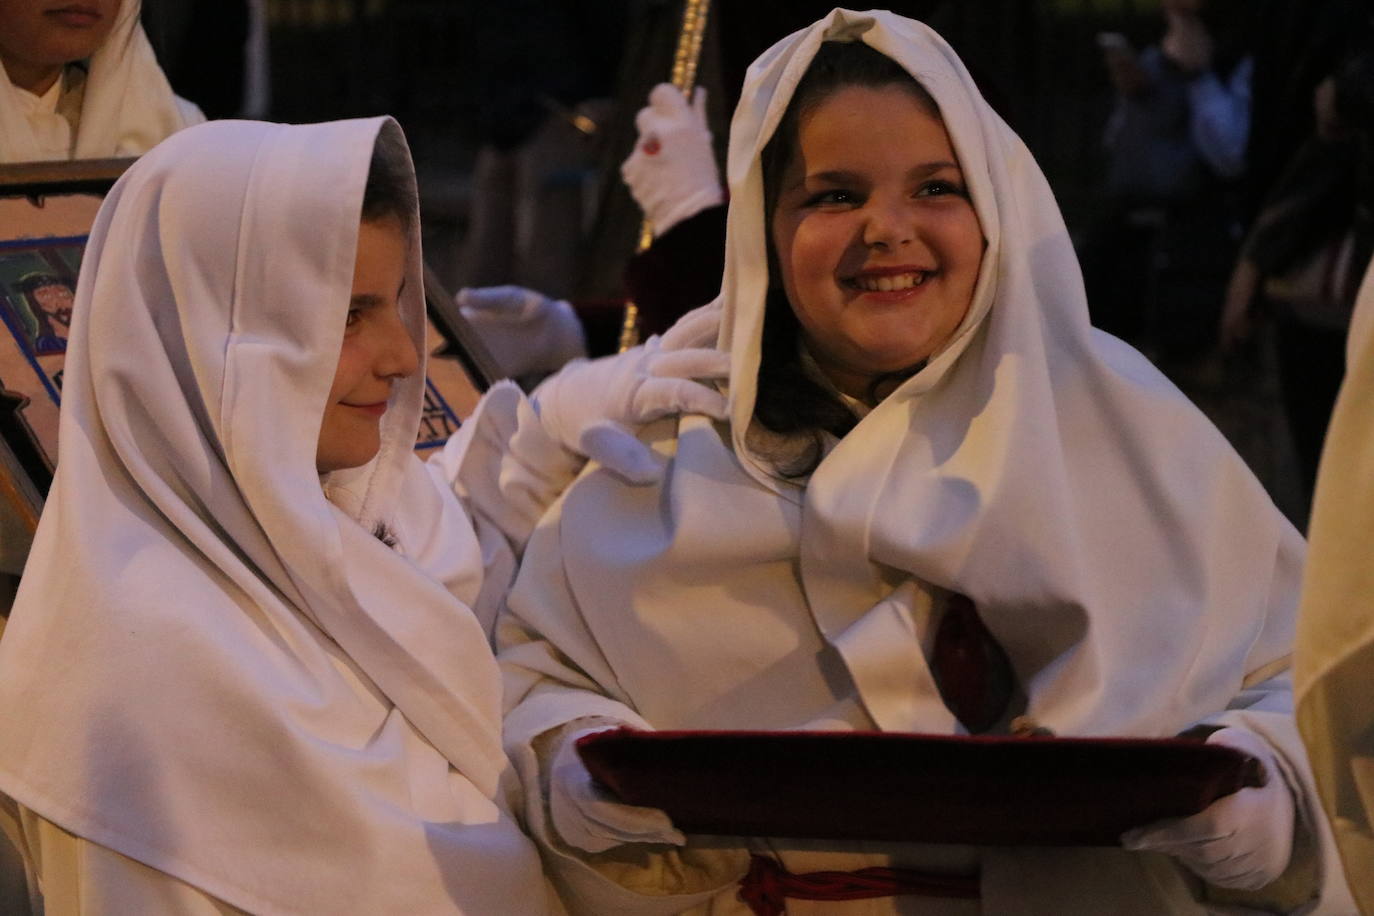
(984, 790)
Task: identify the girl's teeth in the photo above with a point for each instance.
(890, 283)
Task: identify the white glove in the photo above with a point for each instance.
(1242, 841)
(672, 172)
(698, 328)
(527, 332)
(588, 406)
(586, 816)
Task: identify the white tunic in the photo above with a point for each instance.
(1133, 569)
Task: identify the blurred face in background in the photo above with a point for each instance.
(1186, 7)
(39, 37)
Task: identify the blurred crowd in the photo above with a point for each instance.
(1225, 238)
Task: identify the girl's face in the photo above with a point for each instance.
(38, 37)
(876, 239)
(376, 350)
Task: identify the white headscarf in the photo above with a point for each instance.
(1334, 664)
(212, 668)
(128, 105)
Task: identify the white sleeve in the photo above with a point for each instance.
(467, 521)
(1220, 120)
(503, 467)
(556, 678)
(1314, 882)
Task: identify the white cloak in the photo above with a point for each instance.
(212, 669)
(1129, 563)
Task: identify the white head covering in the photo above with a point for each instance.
(210, 667)
(1334, 663)
(128, 107)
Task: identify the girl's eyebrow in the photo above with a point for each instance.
(835, 176)
(366, 301)
(843, 176)
(930, 168)
(372, 300)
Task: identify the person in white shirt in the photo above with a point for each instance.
(82, 82)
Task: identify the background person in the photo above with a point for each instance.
(1156, 260)
(1333, 662)
(82, 82)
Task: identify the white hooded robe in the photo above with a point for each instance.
(1132, 567)
(214, 673)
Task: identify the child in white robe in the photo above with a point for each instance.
(81, 82)
(896, 265)
(247, 669)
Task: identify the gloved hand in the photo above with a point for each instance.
(588, 406)
(698, 328)
(527, 332)
(1241, 841)
(586, 816)
(672, 172)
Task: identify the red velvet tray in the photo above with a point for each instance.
(982, 790)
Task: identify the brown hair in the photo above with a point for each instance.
(390, 188)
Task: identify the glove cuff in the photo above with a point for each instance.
(666, 217)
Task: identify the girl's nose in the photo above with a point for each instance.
(890, 224)
(397, 356)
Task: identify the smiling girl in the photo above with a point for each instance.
(925, 437)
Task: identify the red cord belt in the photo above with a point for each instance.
(768, 885)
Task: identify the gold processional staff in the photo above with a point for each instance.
(684, 78)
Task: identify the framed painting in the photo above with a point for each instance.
(46, 212)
